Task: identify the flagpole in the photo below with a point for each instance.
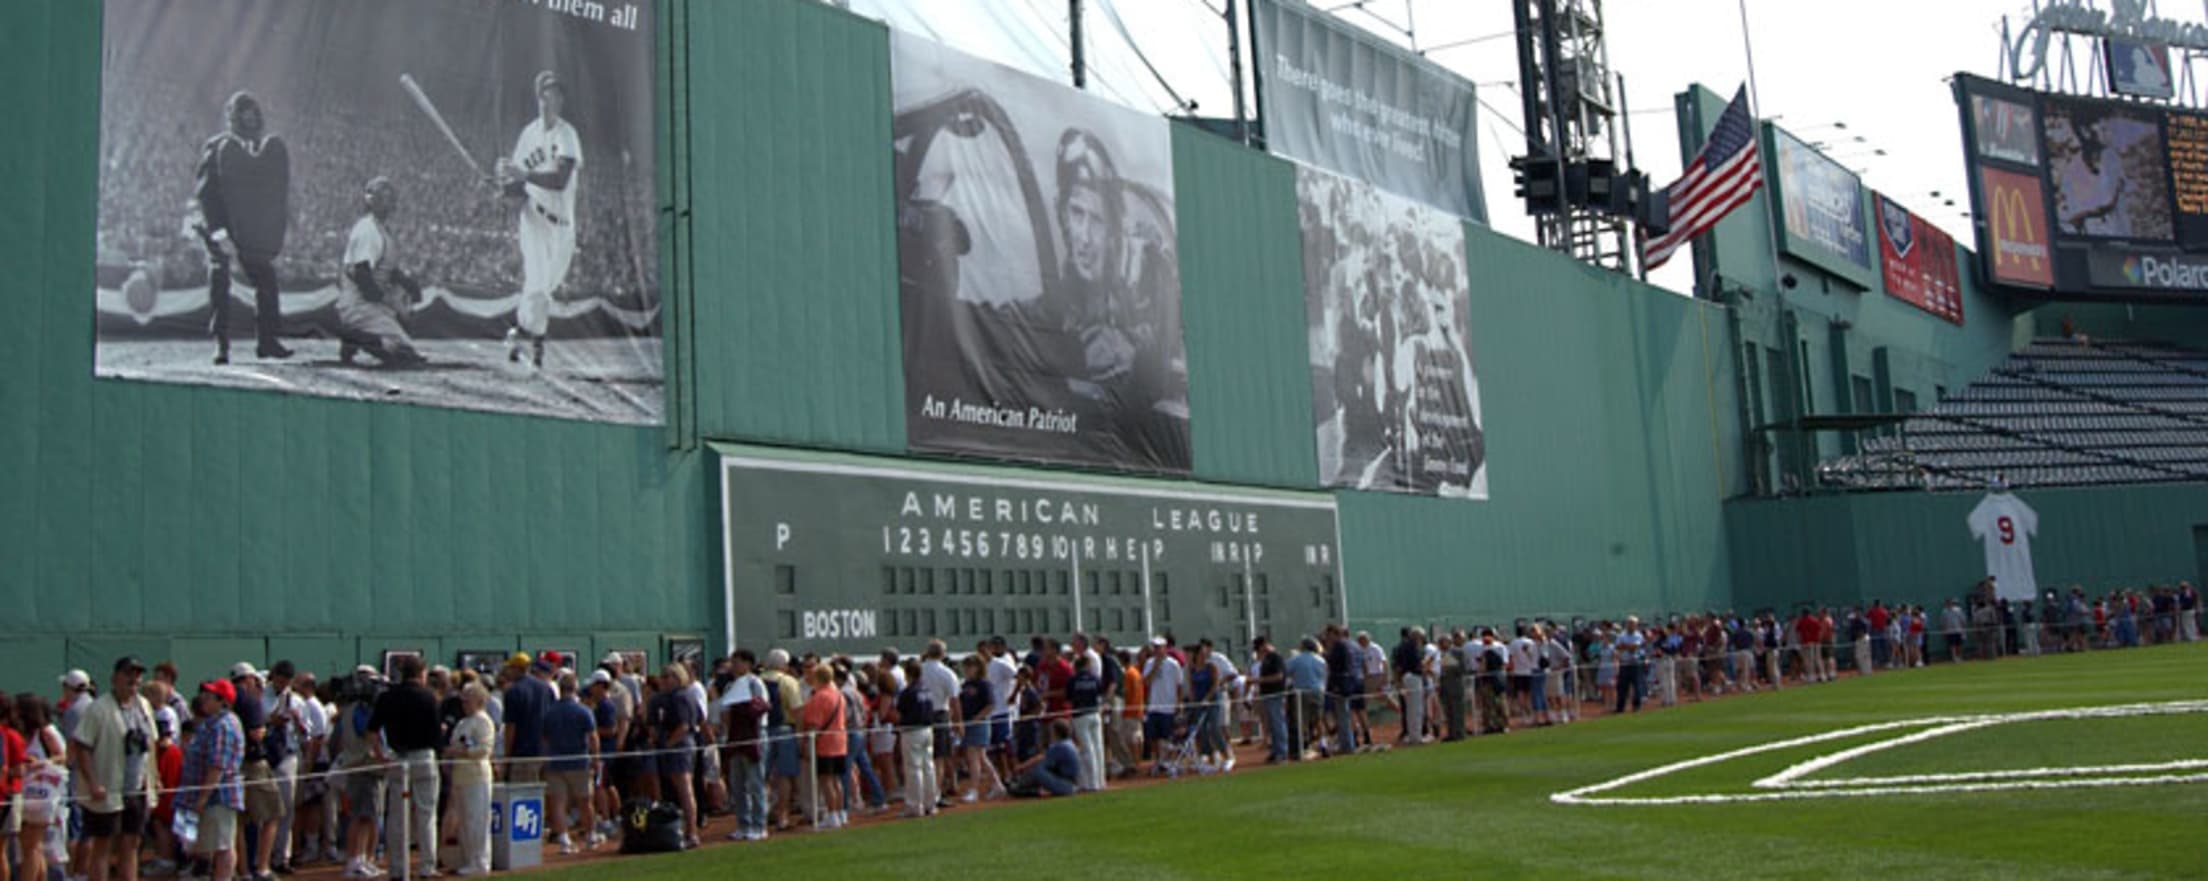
(1755, 114)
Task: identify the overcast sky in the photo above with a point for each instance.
(1876, 65)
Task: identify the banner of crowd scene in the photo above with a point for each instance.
(2087, 196)
(1393, 390)
(1917, 261)
(439, 203)
(1821, 202)
(1038, 268)
(845, 553)
(1335, 97)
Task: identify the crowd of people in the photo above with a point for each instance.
(260, 772)
(456, 234)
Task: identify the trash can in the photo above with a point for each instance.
(517, 825)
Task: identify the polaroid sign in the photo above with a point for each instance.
(2157, 271)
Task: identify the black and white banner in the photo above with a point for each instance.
(1392, 382)
(1345, 101)
(1037, 266)
(425, 201)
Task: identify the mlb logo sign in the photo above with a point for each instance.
(528, 815)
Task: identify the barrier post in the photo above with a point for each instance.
(812, 760)
(406, 822)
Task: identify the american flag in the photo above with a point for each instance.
(1720, 179)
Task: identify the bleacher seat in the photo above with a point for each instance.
(2057, 412)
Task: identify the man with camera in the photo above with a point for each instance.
(115, 786)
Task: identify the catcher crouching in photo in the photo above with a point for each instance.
(373, 295)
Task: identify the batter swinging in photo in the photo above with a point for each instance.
(542, 174)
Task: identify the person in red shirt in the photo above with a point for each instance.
(1879, 619)
(1810, 645)
(823, 718)
(1051, 677)
(14, 759)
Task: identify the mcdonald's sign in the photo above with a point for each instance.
(2014, 212)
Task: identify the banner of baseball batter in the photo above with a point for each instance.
(1038, 268)
(1335, 97)
(1392, 384)
(448, 204)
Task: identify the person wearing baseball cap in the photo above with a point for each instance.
(213, 776)
(77, 692)
(526, 702)
(114, 736)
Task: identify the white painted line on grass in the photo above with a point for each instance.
(1789, 785)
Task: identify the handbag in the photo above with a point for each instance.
(45, 793)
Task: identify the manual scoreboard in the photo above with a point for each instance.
(830, 553)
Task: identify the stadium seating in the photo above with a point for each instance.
(2059, 412)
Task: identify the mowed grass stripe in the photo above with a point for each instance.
(1480, 808)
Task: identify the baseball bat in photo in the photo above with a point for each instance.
(421, 99)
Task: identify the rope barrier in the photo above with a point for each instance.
(1249, 700)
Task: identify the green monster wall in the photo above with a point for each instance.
(208, 526)
(1915, 548)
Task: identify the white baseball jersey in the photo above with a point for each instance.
(547, 231)
(540, 149)
(2005, 524)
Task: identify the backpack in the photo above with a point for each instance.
(650, 826)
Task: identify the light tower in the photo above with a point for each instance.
(1582, 192)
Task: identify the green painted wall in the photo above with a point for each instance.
(1914, 547)
(794, 295)
(1242, 311)
(2159, 323)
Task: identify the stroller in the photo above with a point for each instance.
(1179, 755)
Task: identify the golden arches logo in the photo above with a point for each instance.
(2016, 225)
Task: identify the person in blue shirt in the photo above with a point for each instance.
(1057, 770)
(570, 746)
(526, 702)
(1307, 678)
(1203, 704)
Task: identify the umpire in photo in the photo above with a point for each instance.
(241, 205)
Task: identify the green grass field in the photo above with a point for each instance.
(1481, 808)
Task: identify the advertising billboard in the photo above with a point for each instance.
(836, 553)
(1037, 266)
(1332, 96)
(2012, 222)
(1917, 261)
(1821, 208)
(2106, 200)
(447, 204)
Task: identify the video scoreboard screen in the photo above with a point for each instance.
(2086, 198)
